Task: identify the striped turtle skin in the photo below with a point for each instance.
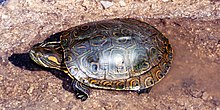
(116, 54)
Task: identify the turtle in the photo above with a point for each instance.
(114, 54)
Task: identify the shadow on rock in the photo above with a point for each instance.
(24, 61)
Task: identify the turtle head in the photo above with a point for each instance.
(47, 54)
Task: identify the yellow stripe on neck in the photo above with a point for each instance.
(54, 59)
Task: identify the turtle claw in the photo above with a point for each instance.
(147, 90)
(81, 91)
(81, 96)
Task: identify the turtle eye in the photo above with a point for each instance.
(39, 54)
(47, 57)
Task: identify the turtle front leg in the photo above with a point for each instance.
(81, 91)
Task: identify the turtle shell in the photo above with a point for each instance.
(119, 54)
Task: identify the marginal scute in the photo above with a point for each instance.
(149, 81)
(118, 54)
(133, 83)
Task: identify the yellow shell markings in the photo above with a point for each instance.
(135, 83)
(103, 40)
(146, 80)
(154, 66)
(85, 27)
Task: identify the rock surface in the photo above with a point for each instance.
(193, 28)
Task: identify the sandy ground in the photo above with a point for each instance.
(193, 28)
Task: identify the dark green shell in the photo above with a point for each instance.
(119, 54)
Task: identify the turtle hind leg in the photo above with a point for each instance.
(147, 90)
(81, 91)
